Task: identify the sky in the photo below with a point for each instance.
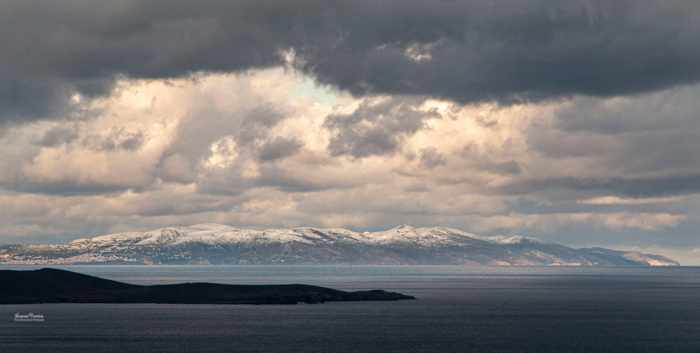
(574, 122)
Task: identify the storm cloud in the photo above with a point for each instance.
(465, 51)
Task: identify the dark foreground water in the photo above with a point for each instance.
(458, 310)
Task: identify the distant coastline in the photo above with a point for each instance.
(203, 244)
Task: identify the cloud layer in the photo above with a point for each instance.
(574, 122)
(465, 51)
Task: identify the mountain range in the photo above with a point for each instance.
(402, 245)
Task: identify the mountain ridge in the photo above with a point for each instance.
(211, 243)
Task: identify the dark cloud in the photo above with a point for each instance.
(25, 98)
(376, 127)
(466, 51)
(511, 51)
(279, 148)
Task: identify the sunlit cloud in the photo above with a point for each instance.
(313, 119)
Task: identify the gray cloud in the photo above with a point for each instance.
(431, 158)
(279, 148)
(507, 167)
(638, 147)
(466, 51)
(638, 187)
(117, 139)
(258, 123)
(488, 162)
(58, 135)
(670, 110)
(376, 127)
(249, 127)
(70, 188)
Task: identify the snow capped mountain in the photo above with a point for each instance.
(222, 244)
(217, 234)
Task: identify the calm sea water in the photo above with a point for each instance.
(458, 310)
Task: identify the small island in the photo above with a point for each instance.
(49, 285)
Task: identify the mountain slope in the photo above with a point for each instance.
(402, 245)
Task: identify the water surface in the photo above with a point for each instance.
(458, 310)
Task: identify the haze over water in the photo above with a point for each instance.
(458, 310)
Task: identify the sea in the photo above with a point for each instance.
(458, 309)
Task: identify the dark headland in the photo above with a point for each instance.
(59, 286)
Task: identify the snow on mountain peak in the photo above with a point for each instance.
(211, 233)
(404, 244)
